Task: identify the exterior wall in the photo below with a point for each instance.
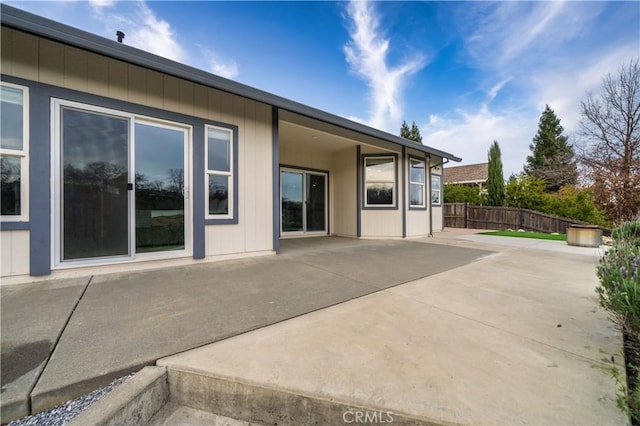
(344, 188)
(29, 57)
(14, 253)
(254, 231)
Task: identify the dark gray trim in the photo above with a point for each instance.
(233, 220)
(39, 180)
(312, 170)
(14, 226)
(53, 30)
(363, 182)
(424, 160)
(358, 191)
(404, 192)
(198, 203)
(39, 160)
(275, 171)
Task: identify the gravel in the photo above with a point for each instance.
(63, 413)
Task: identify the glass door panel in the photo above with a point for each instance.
(316, 208)
(95, 200)
(159, 196)
(292, 201)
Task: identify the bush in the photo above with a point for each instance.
(463, 194)
(619, 295)
(629, 231)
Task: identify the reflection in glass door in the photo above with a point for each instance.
(159, 195)
(95, 201)
(303, 201)
(292, 201)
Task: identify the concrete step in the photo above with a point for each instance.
(165, 396)
(266, 405)
(174, 414)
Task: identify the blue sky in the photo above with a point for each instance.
(467, 73)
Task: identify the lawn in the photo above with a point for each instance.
(538, 235)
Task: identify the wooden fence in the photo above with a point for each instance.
(463, 215)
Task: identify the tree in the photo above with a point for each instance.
(495, 180)
(610, 127)
(412, 133)
(552, 157)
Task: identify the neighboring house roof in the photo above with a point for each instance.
(472, 173)
(53, 30)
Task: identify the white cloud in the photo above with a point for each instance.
(469, 134)
(531, 54)
(97, 4)
(227, 69)
(144, 30)
(366, 53)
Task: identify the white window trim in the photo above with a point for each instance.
(56, 176)
(210, 172)
(23, 154)
(439, 190)
(422, 184)
(393, 182)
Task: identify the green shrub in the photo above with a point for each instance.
(463, 194)
(619, 295)
(629, 231)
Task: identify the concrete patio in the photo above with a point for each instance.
(63, 338)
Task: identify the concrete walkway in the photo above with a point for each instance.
(513, 338)
(64, 338)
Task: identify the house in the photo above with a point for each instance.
(114, 158)
(470, 175)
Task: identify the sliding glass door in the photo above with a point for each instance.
(120, 185)
(303, 202)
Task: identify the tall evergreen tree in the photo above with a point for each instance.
(495, 180)
(405, 132)
(552, 157)
(412, 133)
(415, 133)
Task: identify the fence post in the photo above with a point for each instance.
(466, 214)
(521, 226)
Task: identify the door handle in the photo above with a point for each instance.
(129, 187)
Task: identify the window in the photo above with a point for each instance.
(14, 140)
(219, 170)
(416, 183)
(380, 181)
(436, 189)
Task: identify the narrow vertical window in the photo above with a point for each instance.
(436, 190)
(379, 181)
(416, 183)
(14, 163)
(219, 170)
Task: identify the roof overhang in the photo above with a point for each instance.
(43, 27)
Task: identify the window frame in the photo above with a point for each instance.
(438, 189)
(232, 177)
(423, 184)
(394, 204)
(23, 155)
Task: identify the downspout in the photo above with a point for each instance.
(442, 163)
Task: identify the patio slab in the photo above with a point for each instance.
(128, 320)
(514, 338)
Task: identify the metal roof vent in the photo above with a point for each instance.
(120, 36)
